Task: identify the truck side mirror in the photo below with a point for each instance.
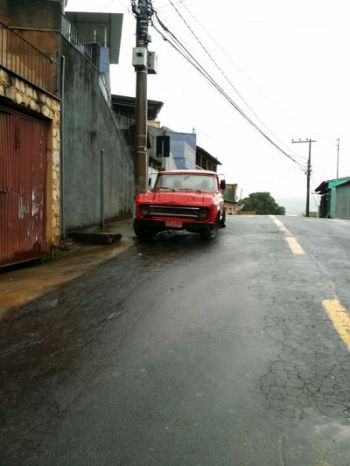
(222, 184)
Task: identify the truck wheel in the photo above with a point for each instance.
(222, 221)
(210, 233)
(143, 234)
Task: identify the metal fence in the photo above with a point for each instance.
(26, 61)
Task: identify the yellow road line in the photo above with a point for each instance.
(281, 227)
(295, 246)
(292, 242)
(339, 317)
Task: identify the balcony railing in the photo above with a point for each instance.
(25, 60)
(71, 33)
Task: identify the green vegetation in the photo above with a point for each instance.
(261, 204)
(58, 251)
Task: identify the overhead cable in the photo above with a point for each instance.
(283, 112)
(222, 72)
(180, 48)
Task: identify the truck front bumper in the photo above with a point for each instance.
(171, 224)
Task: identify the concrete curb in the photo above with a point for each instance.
(21, 286)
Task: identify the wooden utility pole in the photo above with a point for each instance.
(308, 174)
(338, 147)
(143, 12)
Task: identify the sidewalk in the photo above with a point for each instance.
(18, 287)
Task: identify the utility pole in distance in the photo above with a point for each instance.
(143, 13)
(308, 173)
(338, 147)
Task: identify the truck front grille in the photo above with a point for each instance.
(173, 211)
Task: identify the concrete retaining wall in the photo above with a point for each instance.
(92, 189)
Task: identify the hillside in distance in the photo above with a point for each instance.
(296, 205)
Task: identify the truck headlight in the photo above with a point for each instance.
(203, 213)
(145, 210)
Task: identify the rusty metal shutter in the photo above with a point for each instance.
(23, 153)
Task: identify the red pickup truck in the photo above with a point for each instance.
(181, 200)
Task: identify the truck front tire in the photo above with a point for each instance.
(222, 221)
(210, 233)
(143, 234)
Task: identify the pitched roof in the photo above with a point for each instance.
(202, 151)
(325, 186)
(126, 106)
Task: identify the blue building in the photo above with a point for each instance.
(183, 149)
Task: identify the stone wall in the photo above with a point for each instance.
(23, 96)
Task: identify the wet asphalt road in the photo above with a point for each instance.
(183, 352)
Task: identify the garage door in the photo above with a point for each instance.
(23, 153)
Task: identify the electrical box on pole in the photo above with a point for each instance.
(139, 57)
(152, 63)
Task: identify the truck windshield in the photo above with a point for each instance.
(183, 181)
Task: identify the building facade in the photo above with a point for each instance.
(55, 100)
(30, 118)
(335, 198)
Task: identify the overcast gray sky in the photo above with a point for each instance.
(288, 59)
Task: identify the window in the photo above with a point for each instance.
(183, 181)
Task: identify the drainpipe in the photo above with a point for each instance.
(102, 205)
(63, 71)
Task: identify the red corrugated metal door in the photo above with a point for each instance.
(23, 152)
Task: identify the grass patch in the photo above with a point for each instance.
(58, 251)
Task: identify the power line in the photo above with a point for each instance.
(113, 1)
(223, 73)
(161, 7)
(107, 5)
(241, 70)
(242, 148)
(180, 48)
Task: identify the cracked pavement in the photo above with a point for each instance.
(186, 352)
